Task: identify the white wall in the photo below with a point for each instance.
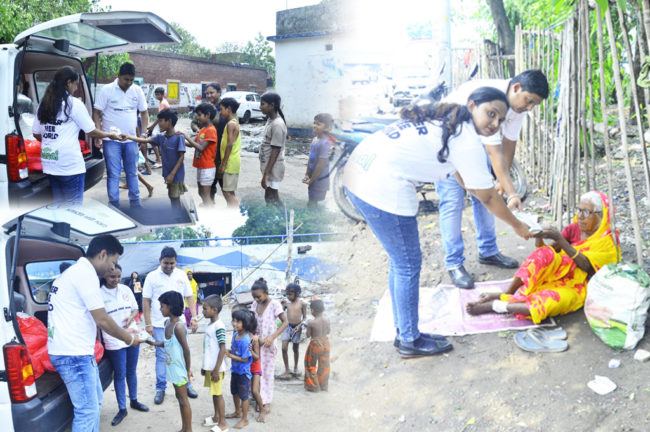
(309, 78)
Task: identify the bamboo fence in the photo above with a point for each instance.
(558, 142)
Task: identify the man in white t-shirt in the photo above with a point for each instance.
(75, 309)
(116, 109)
(165, 278)
(524, 92)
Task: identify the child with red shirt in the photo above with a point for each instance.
(206, 150)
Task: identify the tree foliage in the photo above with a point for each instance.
(189, 46)
(257, 52)
(179, 233)
(263, 220)
(19, 15)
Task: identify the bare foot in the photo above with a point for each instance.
(260, 418)
(285, 376)
(150, 190)
(242, 424)
(233, 415)
(477, 308)
(485, 297)
(223, 426)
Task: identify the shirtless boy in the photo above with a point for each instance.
(317, 357)
(296, 314)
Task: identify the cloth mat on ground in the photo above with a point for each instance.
(442, 311)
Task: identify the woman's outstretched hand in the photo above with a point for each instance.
(549, 233)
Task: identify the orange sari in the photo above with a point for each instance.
(553, 283)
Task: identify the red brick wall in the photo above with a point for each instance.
(158, 67)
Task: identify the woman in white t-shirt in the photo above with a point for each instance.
(430, 143)
(121, 306)
(58, 121)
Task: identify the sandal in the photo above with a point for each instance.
(208, 422)
(533, 342)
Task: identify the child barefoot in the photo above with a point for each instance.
(256, 365)
(317, 176)
(177, 352)
(214, 368)
(296, 311)
(318, 351)
(240, 368)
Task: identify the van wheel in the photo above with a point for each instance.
(247, 117)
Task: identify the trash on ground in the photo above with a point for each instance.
(642, 355)
(614, 363)
(601, 385)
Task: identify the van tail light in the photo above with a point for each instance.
(84, 147)
(20, 374)
(16, 158)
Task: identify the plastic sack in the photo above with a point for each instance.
(618, 296)
(35, 336)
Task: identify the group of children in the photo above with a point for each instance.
(251, 353)
(217, 154)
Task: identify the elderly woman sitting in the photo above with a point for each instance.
(553, 279)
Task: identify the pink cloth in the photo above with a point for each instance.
(267, 325)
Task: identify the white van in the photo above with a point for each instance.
(32, 246)
(29, 64)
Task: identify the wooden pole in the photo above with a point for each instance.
(620, 101)
(582, 100)
(290, 246)
(590, 92)
(635, 99)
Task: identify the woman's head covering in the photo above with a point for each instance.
(599, 248)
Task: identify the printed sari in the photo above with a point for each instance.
(552, 282)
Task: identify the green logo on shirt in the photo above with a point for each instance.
(47, 153)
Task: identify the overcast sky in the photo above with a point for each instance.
(215, 22)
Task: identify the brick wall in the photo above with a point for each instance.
(158, 67)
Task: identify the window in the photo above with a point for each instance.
(43, 78)
(257, 98)
(40, 276)
(253, 88)
(250, 98)
(231, 87)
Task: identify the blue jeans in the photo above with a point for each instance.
(400, 239)
(125, 362)
(68, 190)
(161, 371)
(118, 154)
(452, 196)
(81, 378)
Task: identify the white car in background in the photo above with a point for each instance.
(249, 105)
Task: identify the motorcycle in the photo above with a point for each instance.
(349, 137)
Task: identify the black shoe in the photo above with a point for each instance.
(430, 336)
(160, 397)
(119, 417)
(499, 260)
(139, 406)
(460, 278)
(191, 393)
(423, 347)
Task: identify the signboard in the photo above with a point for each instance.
(173, 91)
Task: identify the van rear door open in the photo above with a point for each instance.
(89, 34)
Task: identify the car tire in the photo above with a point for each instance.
(247, 117)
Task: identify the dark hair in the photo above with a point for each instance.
(159, 90)
(206, 108)
(64, 266)
(127, 69)
(294, 287)
(276, 101)
(245, 318)
(168, 114)
(102, 280)
(450, 115)
(137, 274)
(168, 252)
(317, 306)
(260, 284)
(117, 266)
(532, 81)
(325, 118)
(55, 96)
(174, 300)
(105, 242)
(230, 103)
(238, 306)
(253, 321)
(214, 301)
(215, 86)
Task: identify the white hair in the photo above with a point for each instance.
(594, 198)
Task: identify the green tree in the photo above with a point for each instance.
(257, 52)
(271, 220)
(19, 15)
(179, 233)
(108, 66)
(189, 46)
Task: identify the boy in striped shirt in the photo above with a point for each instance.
(214, 368)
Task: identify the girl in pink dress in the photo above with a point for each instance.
(267, 311)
